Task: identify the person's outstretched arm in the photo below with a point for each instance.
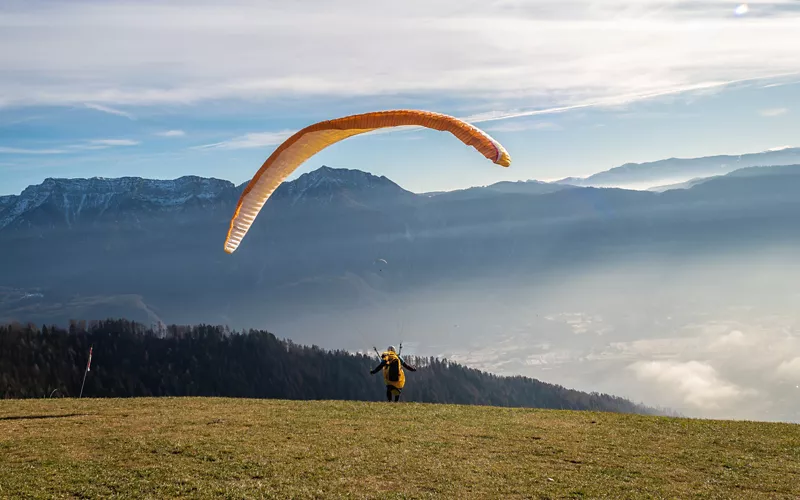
(407, 366)
(377, 368)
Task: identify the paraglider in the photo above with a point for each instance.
(309, 141)
(393, 375)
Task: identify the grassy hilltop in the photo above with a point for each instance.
(245, 448)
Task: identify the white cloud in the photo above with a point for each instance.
(114, 142)
(172, 133)
(102, 144)
(25, 151)
(697, 383)
(774, 112)
(613, 101)
(789, 369)
(251, 140)
(734, 339)
(88, 145)
(523, 126)
(109, 110)
(512, 51)
(780, 84)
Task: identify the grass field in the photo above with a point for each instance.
(236, 448)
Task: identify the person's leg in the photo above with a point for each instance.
(389, 393)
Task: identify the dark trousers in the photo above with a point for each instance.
(389, 390)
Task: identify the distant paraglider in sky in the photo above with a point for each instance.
(309, 141)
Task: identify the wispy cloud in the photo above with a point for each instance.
(537, 51)
(172, 133)
(103, 144)
(25, 151)
(780, 84)
(613, 101)
(114, 142)
(110, 110)
(774, 112)
(70, 148)
(523, 127)
(251, 140)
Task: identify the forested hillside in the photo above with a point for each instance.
(130, 359)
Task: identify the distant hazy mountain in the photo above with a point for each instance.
(678, 170)
(505, 187)
(682, 185)
(150, 249)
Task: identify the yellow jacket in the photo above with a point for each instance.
(393, 369)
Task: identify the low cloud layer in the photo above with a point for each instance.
(697, 383)
(705, 337)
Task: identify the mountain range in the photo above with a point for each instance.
(670, 171)
(73, 247)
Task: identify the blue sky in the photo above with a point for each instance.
(164, 89)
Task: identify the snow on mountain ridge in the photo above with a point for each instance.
(71, 197)
(324, 181)
(199, 185)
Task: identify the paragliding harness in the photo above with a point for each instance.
(394, 365)
(392, 375)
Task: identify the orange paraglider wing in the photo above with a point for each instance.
(309, 141)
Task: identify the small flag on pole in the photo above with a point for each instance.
(89, 363)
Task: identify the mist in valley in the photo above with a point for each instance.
(711, 336)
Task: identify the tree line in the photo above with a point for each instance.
(133, 360)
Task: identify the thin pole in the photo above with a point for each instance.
(88, 363)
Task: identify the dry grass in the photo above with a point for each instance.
(236, 448)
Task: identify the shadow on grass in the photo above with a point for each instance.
(33, 417)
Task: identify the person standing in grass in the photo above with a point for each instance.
(393, 373)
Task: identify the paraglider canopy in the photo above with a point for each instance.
(309, 141)
(380, 263)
